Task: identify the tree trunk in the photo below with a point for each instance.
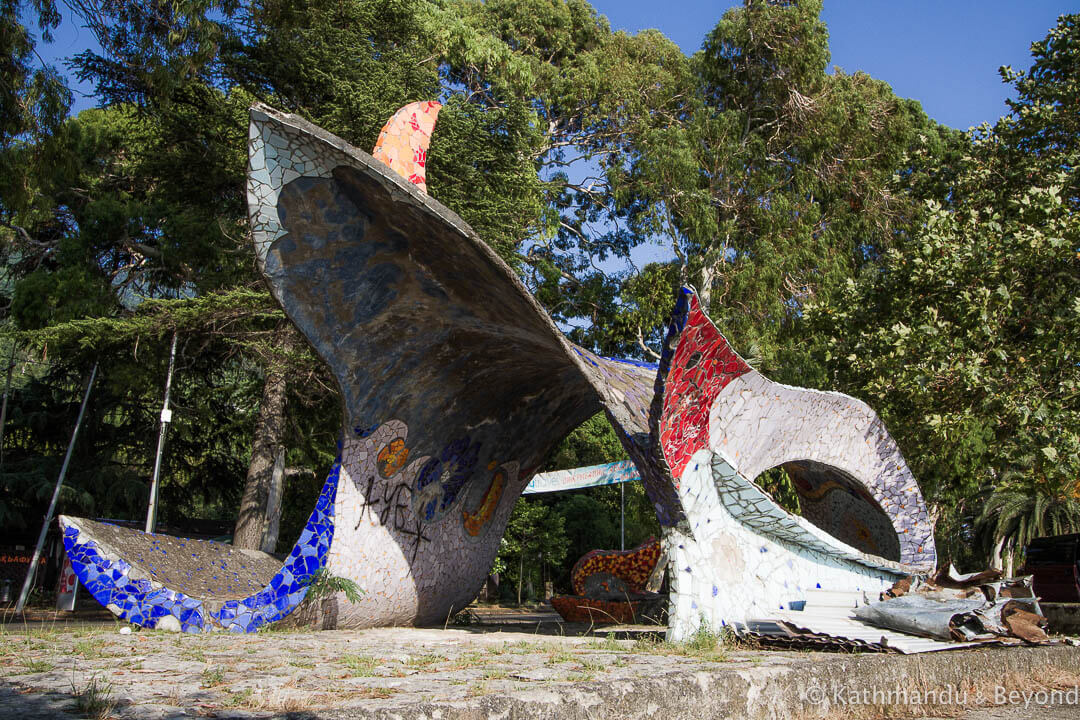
(269, 435)
(521, 573)
(1009, 560)
(708, 274)
(272, 521)
(995, 554)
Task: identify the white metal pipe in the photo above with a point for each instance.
(166, 417)
(28, 583)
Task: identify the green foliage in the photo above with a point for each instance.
(590, 516)
(481, 166)
(591, 443)
(33, 104)
(565, 526)
(965, 334)
(777, 483)
(1044, 122)
(704, 639)
(1024, 506)
(535, 540)
(589, 526)
(238, 316)
(95, 698)
(146, 201)
(350, 65)
(113, 458)
(769, 185)
(323, 585)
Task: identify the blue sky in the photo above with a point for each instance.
(944, 54)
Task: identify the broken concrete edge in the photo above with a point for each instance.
(849, 686)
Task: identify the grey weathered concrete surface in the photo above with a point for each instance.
(487, 673)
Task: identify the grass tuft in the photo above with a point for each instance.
(94, 700)
(423, 661)
(212, 677)
(360, 665)
(36, 666)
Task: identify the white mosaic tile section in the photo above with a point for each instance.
(725, 572)
(759, 424)
(411, 571)
(274, 160)
(754, 508)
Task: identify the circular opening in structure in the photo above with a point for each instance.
(834, 501)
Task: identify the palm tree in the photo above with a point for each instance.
(1023, 506)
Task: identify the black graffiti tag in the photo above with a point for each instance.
(392, 499)
(416, 533)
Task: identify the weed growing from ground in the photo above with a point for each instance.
(423, 661)
(360, 665)
(560, 656)
(323, 585)
(704, 644)
(212, 677)
(196, 654)
(591, 666)
(479, 688)
(36, 666)
(239, 698)
(608, 643)
(89, 649)
(94, 700)
(580, 676)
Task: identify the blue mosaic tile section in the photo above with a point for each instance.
(675, 328)
(635, 363)
(146, 603)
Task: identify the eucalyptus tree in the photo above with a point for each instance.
(965, 333)
(773, 186)
(583, 90)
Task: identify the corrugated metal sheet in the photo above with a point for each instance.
(826, 622)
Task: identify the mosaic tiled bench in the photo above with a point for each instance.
(610, 587)
(170, 583)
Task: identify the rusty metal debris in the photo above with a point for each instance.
(946, 611)
(965, 608)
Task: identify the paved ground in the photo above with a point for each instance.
(50, 669)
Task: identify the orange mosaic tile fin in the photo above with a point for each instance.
(403, 141)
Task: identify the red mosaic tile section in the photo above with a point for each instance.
(631, 566)
(703, 365)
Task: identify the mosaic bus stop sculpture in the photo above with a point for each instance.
(456, 386)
